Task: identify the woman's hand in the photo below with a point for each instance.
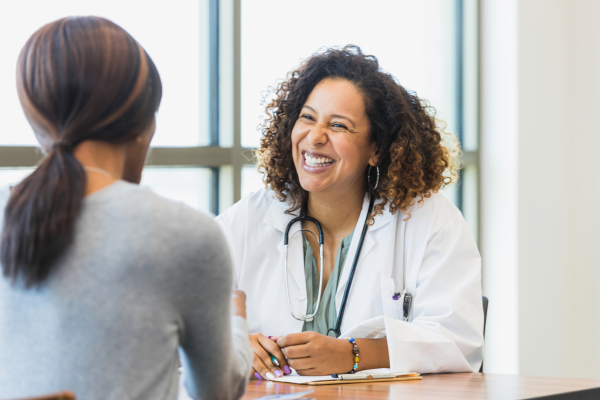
(311, 353)
(262, 366)
(238, 303)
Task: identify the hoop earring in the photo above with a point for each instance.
(369, 176)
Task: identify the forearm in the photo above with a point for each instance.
(241, 345)
(217, 366)
(373, 353)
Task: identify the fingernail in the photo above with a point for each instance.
(278, 373)
(270, 337)
(257, 375)
(270, 376)
(287, 369)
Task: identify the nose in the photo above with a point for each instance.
(317, 136)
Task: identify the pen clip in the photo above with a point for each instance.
(406, 306)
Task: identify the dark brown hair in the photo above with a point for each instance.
(416, 158)
(81, 78)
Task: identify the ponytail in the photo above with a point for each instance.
(39, 219)
(78, 79)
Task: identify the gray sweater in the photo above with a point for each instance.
(144, 277)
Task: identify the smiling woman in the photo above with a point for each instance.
(334, 113)
(414, 157)
(361, 160)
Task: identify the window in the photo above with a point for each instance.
(177, 39)
(217, 57)
(429, 46)
(413, 40)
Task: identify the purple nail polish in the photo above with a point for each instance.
(287, 369)
(257, 375)
(278, 373)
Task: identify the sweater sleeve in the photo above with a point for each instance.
(214, 347)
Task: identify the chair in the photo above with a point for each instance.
(55, 396)
(485, 306)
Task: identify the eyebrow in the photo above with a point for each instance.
(333, 115)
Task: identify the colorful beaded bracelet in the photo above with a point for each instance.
(356, 355)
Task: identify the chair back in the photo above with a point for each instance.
(485, 306)
(55, 396)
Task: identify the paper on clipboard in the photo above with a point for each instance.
(305, 380)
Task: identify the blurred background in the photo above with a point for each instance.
(516, 80)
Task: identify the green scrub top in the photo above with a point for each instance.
(327, 315)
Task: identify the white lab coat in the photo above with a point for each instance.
(432, 255)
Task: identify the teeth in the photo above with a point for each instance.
(317, 161)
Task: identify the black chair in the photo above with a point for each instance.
(485, 306)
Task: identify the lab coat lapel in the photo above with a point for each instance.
(278, 219)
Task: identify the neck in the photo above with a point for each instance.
(104, 156)
(337, 212)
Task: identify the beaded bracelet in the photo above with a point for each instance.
(356, 355)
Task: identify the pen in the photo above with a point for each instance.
(274, 361)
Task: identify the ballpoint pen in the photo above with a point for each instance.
(274, 361)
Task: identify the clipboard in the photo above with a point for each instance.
(366, 380)
(357, 378)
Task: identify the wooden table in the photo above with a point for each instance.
(444, 386)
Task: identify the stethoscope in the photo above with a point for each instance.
(310, 317)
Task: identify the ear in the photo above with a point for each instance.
(374, 159)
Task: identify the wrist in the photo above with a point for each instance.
(355, 352)
(345, 356)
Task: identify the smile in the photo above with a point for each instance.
(317, 161)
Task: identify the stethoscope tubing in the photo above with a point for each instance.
(340, 317)
(305, 317)
(286, 237)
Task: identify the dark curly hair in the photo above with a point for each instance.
(416, 157)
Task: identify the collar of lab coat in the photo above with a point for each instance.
(278, 219)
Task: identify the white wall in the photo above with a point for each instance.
(499, 169)
(540, 96)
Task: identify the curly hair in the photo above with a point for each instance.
(416, 157)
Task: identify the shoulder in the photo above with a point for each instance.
(431, 215)
(435, 207)
(142, 207)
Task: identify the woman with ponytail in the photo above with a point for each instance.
(104, 281)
